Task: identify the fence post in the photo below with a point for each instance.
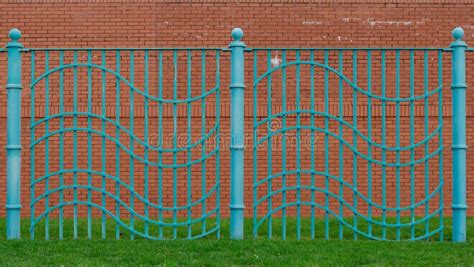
(458, 88)
(237, 135)
(13, 203)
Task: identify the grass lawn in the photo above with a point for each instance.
(210, 251)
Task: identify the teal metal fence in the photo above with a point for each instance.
(303, 175)
(336, 131)
(122, 123)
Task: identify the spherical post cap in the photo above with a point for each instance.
(458, 33)
(237, 34)
(14, 34)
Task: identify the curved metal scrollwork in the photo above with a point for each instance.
(365, 190)
(121, 150)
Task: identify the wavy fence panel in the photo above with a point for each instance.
(348, 142)
(130, 136)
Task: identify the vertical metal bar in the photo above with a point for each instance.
(440, 140)
(13, 201)
(354, 137)
(397, 140)
(412, 142)
(237, 136)
(46, 145)
(283, 152)
(384, 140)
(255, 139)
(145, 129)
(75, 223)
(298, 150)
(341, 143)
(104, 144)
(203, 133)
(269, 144)
(32, 150)
(189, 141)
(369, 136)
(61, 144)
(132, 165)
(426, 134)
(458, 88)
(218, 154)
(312, 152)
(117, 137)
(175, 143)
(89, 143)
(160, 142)
(326, 145)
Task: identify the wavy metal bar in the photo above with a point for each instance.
(123, 79)
(117, 199)
(352, 148)
(200, 141)
(350, 126)
(350, 207)
(129, 151)
(126, 226)
(346, 184)
(350, 226)
(348, 81)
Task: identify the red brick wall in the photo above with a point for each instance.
(266, 24)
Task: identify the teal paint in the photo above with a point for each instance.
(288, 63)
(458, 88)
(32, 151)
(298, 149)
(360, 140)
(91, 174)
(13, 201)
(237, 85)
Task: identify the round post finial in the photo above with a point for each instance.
(237, 34)
(14, 34)
(458, 33)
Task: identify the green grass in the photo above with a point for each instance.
(212, 252)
